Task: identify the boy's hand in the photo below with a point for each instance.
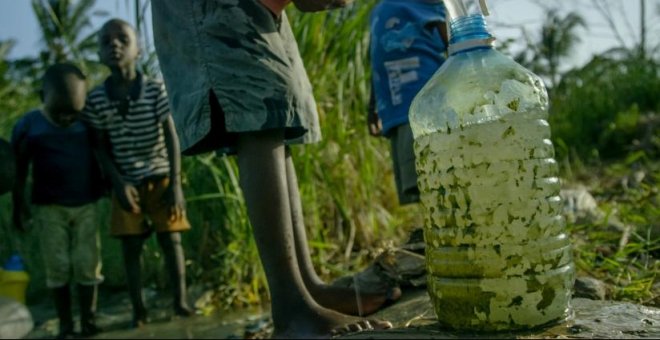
(128, 197)
(374, 123)
(173, 197)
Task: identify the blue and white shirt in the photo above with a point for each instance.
(405, 52)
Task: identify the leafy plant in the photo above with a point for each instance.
(556, 41)
(596, 109)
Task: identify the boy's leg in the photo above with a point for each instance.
(262, 168)
(54, 244)
(132, 229)
(341, 299)
(170, 243)
(86, 258)
(403, 162)
(62, 298)
(87, 297)
(132, 251)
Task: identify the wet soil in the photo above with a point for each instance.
(412, 317)
(114, 318)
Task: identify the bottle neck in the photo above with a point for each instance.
(469, 33)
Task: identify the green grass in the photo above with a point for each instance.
(626, 261)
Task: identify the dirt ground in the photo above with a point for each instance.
(412, 317)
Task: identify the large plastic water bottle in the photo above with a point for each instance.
(498, 257)
(14, 279)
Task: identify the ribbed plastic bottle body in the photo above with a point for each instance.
(498, 257)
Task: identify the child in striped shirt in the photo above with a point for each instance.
(138, 148)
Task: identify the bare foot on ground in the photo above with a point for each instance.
(323, 323)
(347, 301)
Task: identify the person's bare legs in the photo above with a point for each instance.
(262, 169)
(341, 299)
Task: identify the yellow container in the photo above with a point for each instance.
(13, 284)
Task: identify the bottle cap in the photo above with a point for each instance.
(15, 263)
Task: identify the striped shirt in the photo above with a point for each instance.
(137, 137)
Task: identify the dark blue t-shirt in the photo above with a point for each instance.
(405, 52)
(64, 169)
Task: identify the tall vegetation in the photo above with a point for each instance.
(556, 41)
(601, 110)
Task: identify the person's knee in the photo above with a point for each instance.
(58, 276)
(132, 245)
(86, 266)
(255, 141)
(57, 262)
(88, 275)
(169, 239)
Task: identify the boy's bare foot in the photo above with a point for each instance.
(323, 323)
(183, 310)
(349, 301)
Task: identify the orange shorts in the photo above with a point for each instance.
(152, 207)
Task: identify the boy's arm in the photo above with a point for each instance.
(373, 121)
(126, 194)
(20, 211)
(174, 193)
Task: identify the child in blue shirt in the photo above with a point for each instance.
(408, 45)
(66, 184)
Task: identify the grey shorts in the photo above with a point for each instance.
(403, 159)
(69, 243)
(231, 67)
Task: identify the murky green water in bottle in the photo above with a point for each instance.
(498, 256)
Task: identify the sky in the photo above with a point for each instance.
(507, 20)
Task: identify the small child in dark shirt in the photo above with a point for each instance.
(66, 187)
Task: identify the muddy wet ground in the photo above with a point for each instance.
(114, 317)
(412, 316)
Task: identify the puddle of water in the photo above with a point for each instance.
(220, 326)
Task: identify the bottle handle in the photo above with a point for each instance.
(484, 7)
